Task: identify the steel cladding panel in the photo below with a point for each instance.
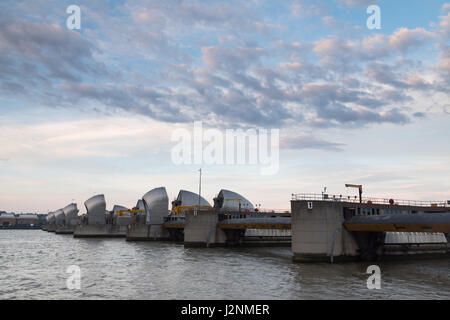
(60, 218)
(156, 204)
(188, 198)
(96, 208)
(231, 201)
(140, 205)
(71, 213)
(51, 218)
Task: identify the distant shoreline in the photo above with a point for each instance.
(20, 227)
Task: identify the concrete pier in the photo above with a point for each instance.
(151, 226)
(51, 222)
(338, 230)
(219, 228)
(96, 226)
(318, 233)
(51, 228)
(201, 230)
(100, 231)
(60, 220)
(65, 229)
(70, 220)
(147, 232)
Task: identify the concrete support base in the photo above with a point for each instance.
(266, 241)
(100, 231)
(51, 228)
(318, 234)
(313, 258)
(147, 232)
(200, 230)
(65, 230)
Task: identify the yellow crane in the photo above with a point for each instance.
(359, 186)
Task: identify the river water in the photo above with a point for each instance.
(33, 265)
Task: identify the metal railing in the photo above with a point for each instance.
(369, 200)
(272, 210)
(226, 215)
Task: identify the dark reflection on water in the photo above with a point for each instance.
(33, 265)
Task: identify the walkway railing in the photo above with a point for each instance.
(355, 199)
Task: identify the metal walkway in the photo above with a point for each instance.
(280, 223)
(422, 222)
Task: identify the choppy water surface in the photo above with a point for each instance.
(33, 265)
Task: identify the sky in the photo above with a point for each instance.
(92, 110)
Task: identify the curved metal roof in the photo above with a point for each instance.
(140, 204)
(71, 211)
(59, 216)
(228, 200)
(156, 204)
(96, 208)
(188, 198)
(96, 205)
(51, 217)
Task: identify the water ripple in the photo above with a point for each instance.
(34, 265)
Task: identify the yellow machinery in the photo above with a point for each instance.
(128, 212)
(347, 185)
(179, 210)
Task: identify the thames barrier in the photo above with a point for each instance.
(324, 227)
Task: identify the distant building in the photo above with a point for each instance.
(7, 220)
(27, 220)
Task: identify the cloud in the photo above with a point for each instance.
(445, 7)
(442, 65)
(139, 68)
(340, 53)
(62, 53)
(420, 115)
(387, 75)
(309, 142)
(403, 39)
(49, 142)
(187, 61)
(357, 3)
(305, 8)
